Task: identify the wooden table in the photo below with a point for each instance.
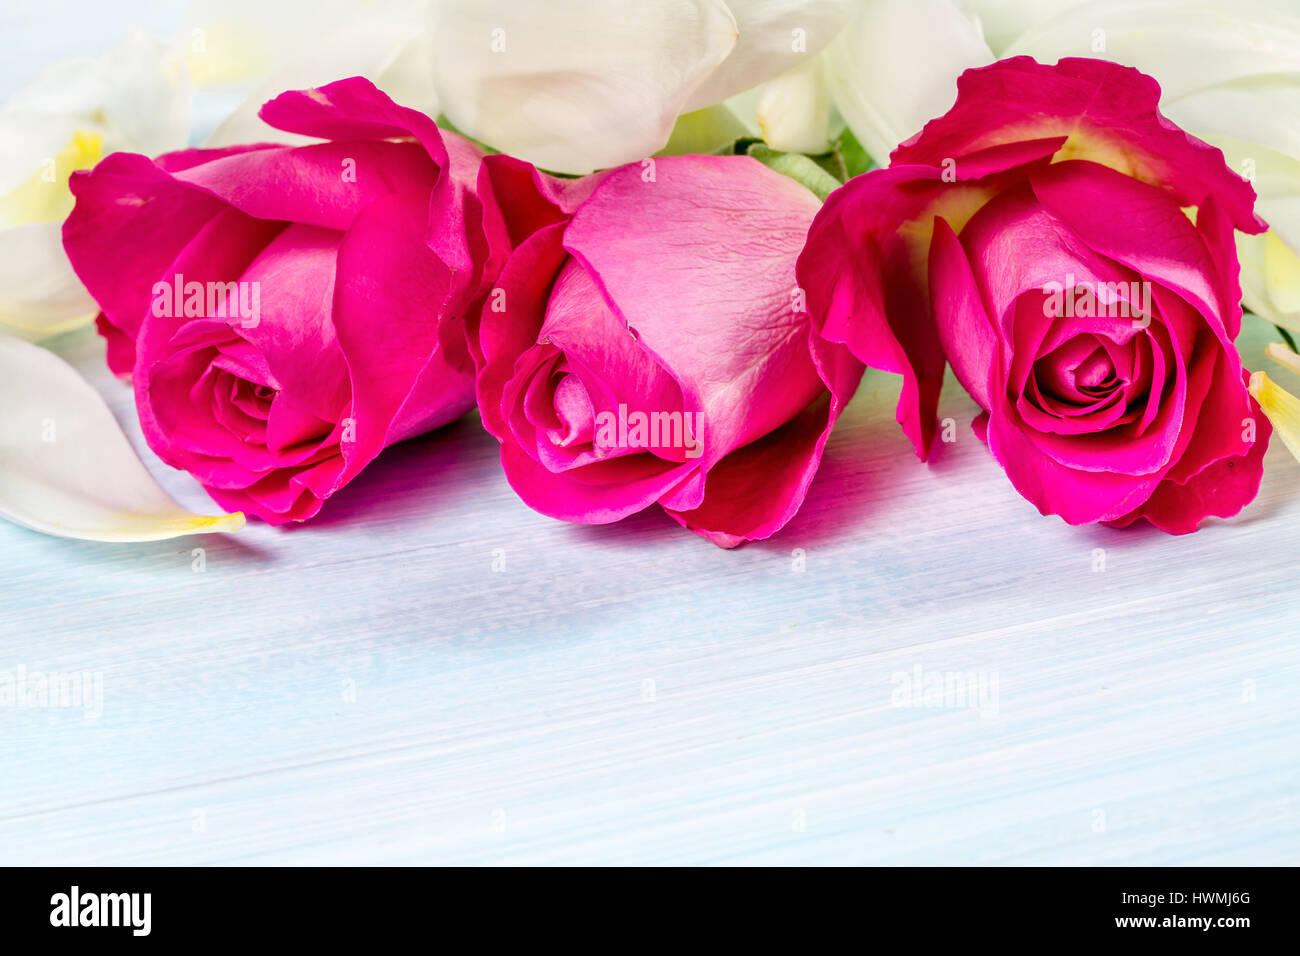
(433, 673)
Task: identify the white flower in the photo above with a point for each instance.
(895, 67)
(135, 97)
(578, 85)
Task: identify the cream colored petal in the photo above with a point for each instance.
(1003, 20)
(794, 110)
(1281, 274)
(1262, 111)
(1270, 263)
(31, 142)
(235, 45)
(66, 469)
(137, 96)
(776, 36)
(895, 67)
(572, 85)
(40, 295)
(1282, 409)
(1255, 292)
(392, 53)
(1186, 46)
(1283, 356)
(45, 196)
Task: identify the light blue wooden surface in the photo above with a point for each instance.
(368, 689)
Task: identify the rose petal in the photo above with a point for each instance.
(729, 330)
(1110, 114)
(401, 381)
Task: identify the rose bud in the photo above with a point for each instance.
(1070, 253)
(285, 313)
(646, 343)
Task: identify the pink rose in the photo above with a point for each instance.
(286, 313)
(1035, 237)
(646, 343)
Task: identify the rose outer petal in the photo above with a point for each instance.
(1110, 114)
(1220, 471)
(719, 311)
(390, 294)
(118, 261)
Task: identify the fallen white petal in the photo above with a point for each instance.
(66, 469)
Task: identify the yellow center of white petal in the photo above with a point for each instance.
(45, 196)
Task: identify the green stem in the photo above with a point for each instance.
(1286, 337)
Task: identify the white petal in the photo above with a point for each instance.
(1256, 292)
(392, 53)
(1185, 46)
(895, 68)
(235, 45)
(133, 97)
(28, 141)
(1254, 113)
(146, 96)
(66, 469)
(40, 295)
(136, 95)
(775, 36)
(1003, 20)
(794, 110)
(1281, 407)
(1270, 263)
(1282, 274)
(407, 76)
(572, 85)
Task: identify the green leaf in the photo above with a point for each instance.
(855, 158)
(1286, 337)
(833, 163)
(737, 147)
(802, 169)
